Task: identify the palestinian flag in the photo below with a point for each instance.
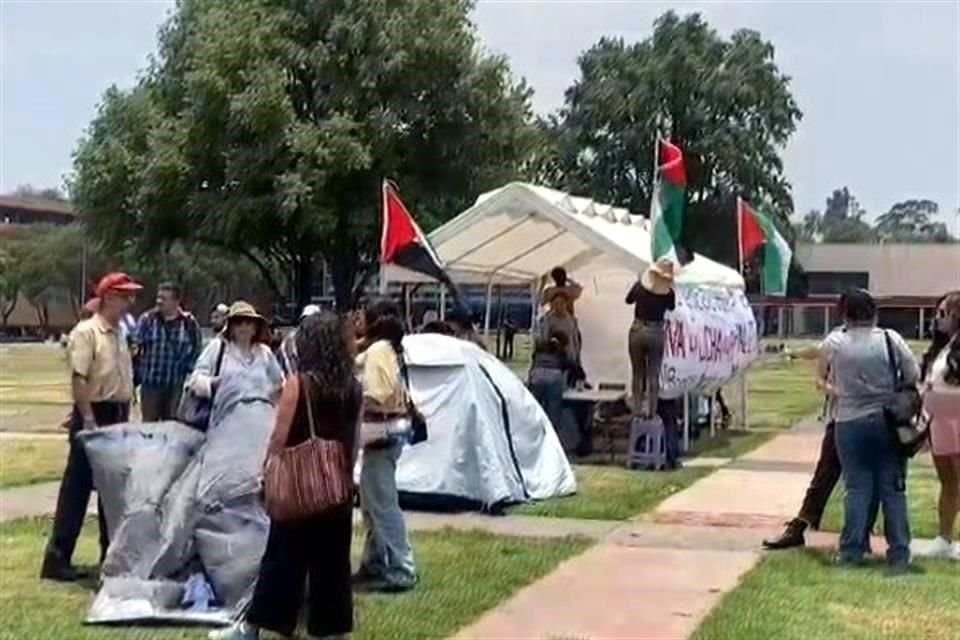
(403, 243)
(666, 206)
(756, 230)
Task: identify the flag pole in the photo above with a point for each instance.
(383, 235)
(739, 234)
(653, 184)
(656, 165)
(742, 384)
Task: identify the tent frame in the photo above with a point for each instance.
(564, 216)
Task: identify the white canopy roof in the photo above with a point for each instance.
(516, 234)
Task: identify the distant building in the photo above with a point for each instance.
(16, 215)
(15, 210)
(905, 279)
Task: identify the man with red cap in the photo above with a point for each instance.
(102, 385)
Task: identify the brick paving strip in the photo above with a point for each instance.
(655, 577)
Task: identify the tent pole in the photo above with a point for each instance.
(743, 400)
(686, 422)
(486, 315)
(713, 422)
(443, 303)
(407, 307)
(499, 316)
(534, 306)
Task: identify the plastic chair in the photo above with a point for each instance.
(648, 446)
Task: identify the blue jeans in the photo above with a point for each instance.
(387, 553)
(873, 471)
(547, 386)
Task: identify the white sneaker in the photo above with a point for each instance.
(236, 632)
(940, 548)
(955, 552)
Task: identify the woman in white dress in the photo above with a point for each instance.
(241, 349)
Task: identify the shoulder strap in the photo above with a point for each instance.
(223, 348)
(892, 362)
(305, 387)
(405, 374)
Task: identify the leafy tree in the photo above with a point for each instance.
(849, 231)
(49, 264)
(49, 193)
(913, 221)
(724, 101)
(265, 127)
(841, 205)
(842, 221)
(9, 282)
(811, 229)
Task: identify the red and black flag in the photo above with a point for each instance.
(403, 244)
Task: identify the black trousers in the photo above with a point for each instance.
(76, 485)
(508, 339)
(825, 478)
(315, 549)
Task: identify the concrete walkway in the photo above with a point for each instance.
(658, 577)
(33, 435)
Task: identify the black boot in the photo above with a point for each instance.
(791, 537)
(57, 569)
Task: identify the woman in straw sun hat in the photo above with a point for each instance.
(242, 348)
(652, 296)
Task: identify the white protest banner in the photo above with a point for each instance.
(709, 338)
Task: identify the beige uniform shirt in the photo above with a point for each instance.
(100, 354)
(380, 376)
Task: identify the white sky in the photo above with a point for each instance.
(878, 82)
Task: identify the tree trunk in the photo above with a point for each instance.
(303, 278)
(7, 310)
(343, 270)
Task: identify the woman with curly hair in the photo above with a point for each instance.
(387, 563)
(314, 549)
(941, 373)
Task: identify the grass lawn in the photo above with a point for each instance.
(923, 490)
(780, 394)
(34, 387)
(463, 575)
(31, 461)
(613, 493)
(798, 595)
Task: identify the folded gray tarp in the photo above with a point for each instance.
(179, 504)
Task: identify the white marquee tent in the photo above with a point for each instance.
(518, 233)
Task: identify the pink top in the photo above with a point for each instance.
(942, 402)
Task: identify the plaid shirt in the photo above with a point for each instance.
(168, 350)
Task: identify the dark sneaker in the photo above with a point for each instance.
(54, 569)
(362, 577)
(385, 585)
(791, 537)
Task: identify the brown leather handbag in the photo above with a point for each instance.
(309, 478)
